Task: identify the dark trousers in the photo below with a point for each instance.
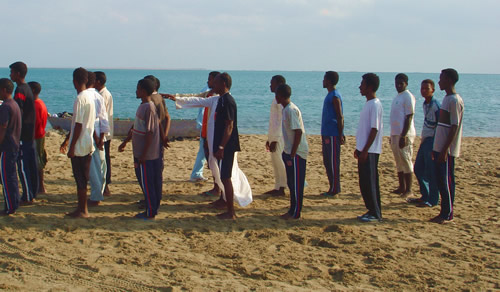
(28, 170)
(445, 175)
(9, 181)
(369, 184)
(107, 146)
(331, 160)
(295, 178)
(424, 170)
(149, 176)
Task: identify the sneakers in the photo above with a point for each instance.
(423, 205)
(440, 220)
(364, 215)
(328, 195)
(368, 218)
(198, 179)
(143, 216)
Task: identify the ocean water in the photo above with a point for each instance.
(253, 97)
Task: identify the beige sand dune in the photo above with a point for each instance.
(186, 247)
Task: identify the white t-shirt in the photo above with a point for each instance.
(84, 113)
(108, 103)
(371, 117)
(101, 124)
(402, 105)
(452, 112)
(274, 133)
(292, 120)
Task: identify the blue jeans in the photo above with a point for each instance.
(425, 172)
(197, 172)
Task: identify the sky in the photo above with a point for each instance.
(288, 35)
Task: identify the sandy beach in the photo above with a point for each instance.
(188, 248)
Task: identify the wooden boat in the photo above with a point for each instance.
(178, 128)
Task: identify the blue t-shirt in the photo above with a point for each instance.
(329, 123)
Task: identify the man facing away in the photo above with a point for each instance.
(274, 143)
(403, 134)
(81, 142)
(40, 124)
(447, 143)
(10, 133)
(369, 148)
(424, 166)
(26, 165)
(295, 151)
(332, 132)
(100, 85)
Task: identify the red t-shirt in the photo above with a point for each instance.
(41, 118)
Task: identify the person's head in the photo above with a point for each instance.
(369, 84)
(448, 79)
(36, 88)
(18, 71)
(283, 93)
(91, 81)
(145, 87)
(401, 82)
(427, 88)
(330, 79)
(276, 81)
(155, 80)
(222, 83)
(100, 80)
(80, 78)
(6, 88)
(211, 78)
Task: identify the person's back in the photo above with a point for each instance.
(41, 118)
(10, 116)
(24, 98)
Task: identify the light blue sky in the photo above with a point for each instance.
(342, 35)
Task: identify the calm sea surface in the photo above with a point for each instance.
(251, 91)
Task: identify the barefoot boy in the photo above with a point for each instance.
(447, 143)
(81, 143)
(10, 133)
(146, 149)
(369, 147)
(40, 124)
(295, 150)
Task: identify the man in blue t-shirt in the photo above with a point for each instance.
(332, 132)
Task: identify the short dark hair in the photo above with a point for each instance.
(429, 81)
(155, 80)
(7, 84)
(332, 76)
(452, 74)
(100, 76)
(80, 75)
(147, 84)
(279, 79)
(226, 78)
(20, 68)
(372, 80)
(284, 90)
(213, 74)
(36, 88)
(402, 76)
(92, 78)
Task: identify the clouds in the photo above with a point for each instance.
(361, 35)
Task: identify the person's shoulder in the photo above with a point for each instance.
(336, 93)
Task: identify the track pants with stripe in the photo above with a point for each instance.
(27, 170)
(331, 160)
(369, 184)
(445, 176)
(149, 176)
(9, 181)
(296, 176)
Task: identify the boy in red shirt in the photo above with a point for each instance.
(40, 124)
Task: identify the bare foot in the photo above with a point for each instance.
(211, 193)
(91, 203)
(406, 194)
(398, 191)
(106, 192)
(7, 213)
(77, 214)
(42, 192)
(271, 192)
(27, 203)
(226, 215)
(286, 216)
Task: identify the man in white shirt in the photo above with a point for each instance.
(81, 143)
(369, 148)
(403, 134)
(100, 85)
(274, 143)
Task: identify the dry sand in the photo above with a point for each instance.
(186, 247)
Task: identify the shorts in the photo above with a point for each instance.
(226, 165)
(81, 170)
(41, 154)
(402, 156)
